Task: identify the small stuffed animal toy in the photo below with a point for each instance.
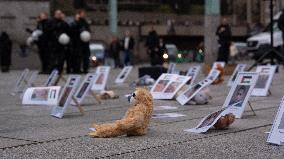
(225, 121)
(134, 123)
(108, 95)
(220, 78)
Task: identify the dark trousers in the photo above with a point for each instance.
(86, 58)
(44, 58)
(127, 57)
(223, 53)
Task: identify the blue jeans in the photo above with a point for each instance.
(127, 57)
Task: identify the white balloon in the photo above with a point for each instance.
(29, 41)
(85, 36)
(36, 34)
(64, 39)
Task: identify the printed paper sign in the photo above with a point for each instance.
(100, 83)
(213, 75)
(123, 74)
(276, 135)
(193, 72)
(41, 96)
(51, 78)
(239, 68)
(264, 80)
(214, 67)
(189, 93)
(30, 82)
(172, 68)
(21, 82)
(240, 93)
(168, 85)
(208, 121)
(85, 87)
(167, 115)
(66, 96)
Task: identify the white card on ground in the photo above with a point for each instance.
(214, 67)
(30, 82)
(264, 80)
(51, 78)
(240, 92)
(100, 83)
(85, 87)
(66, 96)
(21, 81)
(193, 72)
(41, 96)
(239, 68)
(189, 93)
(123, 74)
(168, 85)
(165, 108)
(207, 122)
(167, 115)
(276, 135)
(172, 67)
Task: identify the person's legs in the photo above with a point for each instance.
(86, 61)
(126, 57)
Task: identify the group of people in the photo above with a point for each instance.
(59, 42)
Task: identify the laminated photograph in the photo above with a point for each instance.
(239, 68)
(51, 78)
(208, 121)
(240, 92)
(100, 83)
(193, 72)
(123, 74)
(276, 135)
(161, 84)
(21, 82)
(30, 82)
(189, 93)
(171, 68)
(41, 96)
(84, 88)
(66, 95)
(168, 85)
(214, 67)
(213, 75)
(264, 80)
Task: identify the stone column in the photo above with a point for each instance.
(113, 16)
(212, 20)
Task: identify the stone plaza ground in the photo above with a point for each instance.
(30, 132)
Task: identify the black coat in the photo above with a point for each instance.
(130, 45)
(152, 41)
(225, 36)
(281, 22)
(5, 49)
(58, 27)
(43, 40)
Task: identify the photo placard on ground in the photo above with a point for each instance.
(66, 96)
(123, 74)
(276, 135)
(189, 93)
(168, 85)
(41, 96)
(85, 87)
(193, 72)
(208, 121)
(264, 80)
(172, 67)
(214, 67)
(30, 82)
(213, 75)
(51, 78)
(239, 68)
(240, 92)
(21, 82)
(100, 83)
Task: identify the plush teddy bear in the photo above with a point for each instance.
(136, 120)
(225, 121)
(220, 78)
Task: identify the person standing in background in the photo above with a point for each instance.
(281, 24)
(162, 50)
(42, 43)
(152, 45)
(128, 47)
(84, 45)
(5, 51)
(114, 49)
(75, 54)
(224, 39)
